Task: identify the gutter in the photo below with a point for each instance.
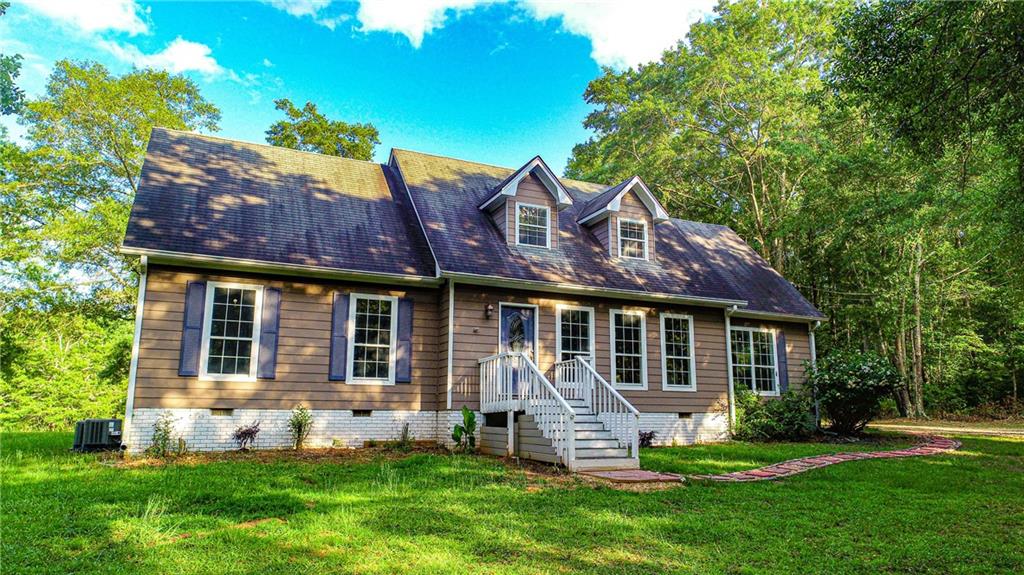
(259, 266)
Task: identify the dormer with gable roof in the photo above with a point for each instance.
(624, 218)
(525, 206)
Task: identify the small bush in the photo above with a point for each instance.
(850, 386)
(647, 438)
(300, 424)
(464, 434)
(245, 436)
(786, 417)
(163, 432)
(404, 443)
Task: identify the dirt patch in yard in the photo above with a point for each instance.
(312, 456)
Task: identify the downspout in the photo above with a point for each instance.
(814, 363)
(728, 354)
(133, 368)
(451, 338)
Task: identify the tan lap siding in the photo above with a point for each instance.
(477, 337)
(302, 354)
(531, 191)
(632, 208)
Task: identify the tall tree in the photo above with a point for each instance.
(309, 130)
(11, 96)
(724, 127)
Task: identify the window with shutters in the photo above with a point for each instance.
(372, 335)
(677, 364)
(629, 349)
(231, 332)
(753, 360)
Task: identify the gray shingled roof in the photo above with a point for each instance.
(215, 197)
(601, 201)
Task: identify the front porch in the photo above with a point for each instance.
(578, 421)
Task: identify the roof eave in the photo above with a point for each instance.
(795, 317)
(259, 266)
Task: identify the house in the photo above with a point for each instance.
(569, 315)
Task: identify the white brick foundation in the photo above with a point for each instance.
(339, 428)
(698, 428)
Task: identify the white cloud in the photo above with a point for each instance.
(625, 33)
(179, 56)
(312, 8)
(267, 63)
(412, 18)
(94, 15)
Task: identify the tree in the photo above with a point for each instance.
(11, 96)
(309, 130)
(724, 127)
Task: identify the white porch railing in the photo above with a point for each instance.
(512, 382)
(577, 379)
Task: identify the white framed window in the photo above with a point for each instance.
(575, 328)
(533, 225)
(633, 239)
(678, 367)
(753, 360)
(372, 334)
(231, 331)
(629, 349)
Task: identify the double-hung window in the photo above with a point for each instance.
(575, 332)
(231, 332)
(677, 358)
(532, 225)
(372, 338)
(629, 349)
(753, 360)
(632, 239)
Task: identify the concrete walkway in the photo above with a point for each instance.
(931, 446)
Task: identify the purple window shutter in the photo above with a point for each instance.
(192, 329)
(269, 326)
(782, 363)
(403, 351)
(339, 338)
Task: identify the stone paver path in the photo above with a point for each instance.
(931, 446)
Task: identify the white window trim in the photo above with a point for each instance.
(536, 325)
(643, 348)
(664, 357)
(547, 235)
(775, 356)
(558, 329)
(646, 239)
(351, 333)
(204, 350)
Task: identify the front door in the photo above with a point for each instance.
(517, 334)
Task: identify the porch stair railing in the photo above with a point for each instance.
(512, 382)
(576, 379)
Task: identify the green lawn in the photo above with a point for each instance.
(64, 513)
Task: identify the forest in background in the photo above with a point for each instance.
(872, 153)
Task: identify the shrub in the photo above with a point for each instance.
(647, 438)
(300, 424)
(786, 417)
(850, 386)
(245, 436)
(464, 434)
(163, 431)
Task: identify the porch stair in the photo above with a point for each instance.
(580, 421)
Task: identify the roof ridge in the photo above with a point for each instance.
(264, 145)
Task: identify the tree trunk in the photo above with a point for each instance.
(902, 393)
(918, 351)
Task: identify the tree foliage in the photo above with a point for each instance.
(11, 96)
(309, 130)
(753, 123)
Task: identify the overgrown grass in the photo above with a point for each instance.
(66, 513)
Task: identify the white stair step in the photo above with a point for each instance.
(613, 452)
(592, 426)
(607, 464)
(583, 434)
(610, 443)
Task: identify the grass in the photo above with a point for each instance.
(430, 513)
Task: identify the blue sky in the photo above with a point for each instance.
(495, 82)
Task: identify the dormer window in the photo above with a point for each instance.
(633, 239)
(532, 225)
